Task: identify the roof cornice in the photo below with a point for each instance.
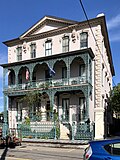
(84, 24)
(54, 31)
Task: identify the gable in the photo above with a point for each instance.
(47, 23)
(46, 28)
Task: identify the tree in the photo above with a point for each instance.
(114, 100)
(31, 99)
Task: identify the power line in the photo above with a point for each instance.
(85, 13)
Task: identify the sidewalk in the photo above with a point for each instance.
(56, 143)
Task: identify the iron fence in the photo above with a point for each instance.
(51, 130)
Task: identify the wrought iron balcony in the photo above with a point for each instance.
(43, 84)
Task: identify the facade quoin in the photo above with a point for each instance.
(70, 69)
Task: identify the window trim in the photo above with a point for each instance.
(65, 45)
(84, 42)
(48, 51)
(65, 111)
(19, 53)
(81, 69)
(33, 50)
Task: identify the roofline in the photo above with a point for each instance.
(8, 43)
(52, 18)
(107, 44)
(62, 28)
(100, 20)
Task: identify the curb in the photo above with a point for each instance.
(56, 143)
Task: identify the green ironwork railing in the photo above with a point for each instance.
(46, 84)
(40, 130)
(82, 131)
(51, 130)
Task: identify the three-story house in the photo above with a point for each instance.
(71, 70)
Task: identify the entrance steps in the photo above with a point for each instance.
(64, 132)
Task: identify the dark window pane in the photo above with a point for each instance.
(83, 40)
(65, 44)
(33, 50)
(48, 48)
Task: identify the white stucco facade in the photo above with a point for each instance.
(102, 70)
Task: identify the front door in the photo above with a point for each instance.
(65, 109)
(82, 109)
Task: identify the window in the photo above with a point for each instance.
(113, 149)
(47, 75)
(65, 44)
(19, 53)
(64, 72)
(81, 70)
(65, 108)
(19, 111)
(34, 76)
(82, 109)
(84, 40)
(48, 48)
(33, 50)
(20, 78)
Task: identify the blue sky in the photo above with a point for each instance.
(16, 16)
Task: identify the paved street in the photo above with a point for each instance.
(26, 152)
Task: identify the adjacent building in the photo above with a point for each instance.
(69, 64)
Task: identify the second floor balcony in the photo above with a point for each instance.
(51, 83)
(71, 69)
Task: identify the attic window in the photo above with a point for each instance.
(48, 47)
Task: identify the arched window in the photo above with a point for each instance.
(83, 40)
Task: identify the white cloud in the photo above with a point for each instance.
(114, 37)
(113, 25)
(114, 22)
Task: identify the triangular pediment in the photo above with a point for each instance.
(45, 24)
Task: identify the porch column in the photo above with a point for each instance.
(16, 75)
(51, 103)
(89, 70)
(43, 110)
(5, 124)
(30, 72)
(68, 71)
(87, 104)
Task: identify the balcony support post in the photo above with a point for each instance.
(5, 124)
(52, 103)
(68, 70)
